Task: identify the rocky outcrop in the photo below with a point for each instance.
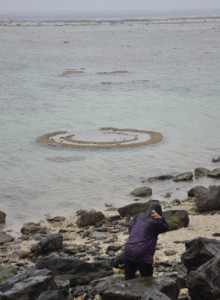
(202, 260)
(208, 200)
(204, 283)
(142, 191)
(199, 251)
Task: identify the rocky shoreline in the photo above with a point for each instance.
(79, 257)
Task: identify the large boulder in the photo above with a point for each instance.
(208, 200)
(199, 251)
(142, 191)
(204, 283)
(196, 190)
(162, 287)
(134, 208)
(89, 218)
(176, 218)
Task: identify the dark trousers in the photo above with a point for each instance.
(131, 267)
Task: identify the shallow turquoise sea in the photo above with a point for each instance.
(58, 76)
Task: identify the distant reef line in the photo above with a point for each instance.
(71, 22)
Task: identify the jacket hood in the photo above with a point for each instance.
(153, 205)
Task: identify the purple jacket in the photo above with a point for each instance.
(143, 234)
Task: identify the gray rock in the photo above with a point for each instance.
(183, 177)
(208, 200)
(143, 191)
(99, 235)
(32, 228)
(169, 252)
(56, 219)
(52, 242)
(88, 218)
(176, 202)
(199, 172)
(2, 217)
(5, 238)
(176, 218)
(214, 173)
(196, 190)
(6, 272)
(199, 251)
(160, 177)
(79, 272)
(27, 285)
(154, 294)
(29, 288)
(51, 295)
(134, 208)
(204, 283)
(215, 160)
(136, 289)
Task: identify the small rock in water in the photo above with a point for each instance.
(215, 160)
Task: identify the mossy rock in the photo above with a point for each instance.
(6, 272)
(176, 219)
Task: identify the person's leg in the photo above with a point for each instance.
(130, 269)
(145, 270)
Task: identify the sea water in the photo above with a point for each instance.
(149, 75)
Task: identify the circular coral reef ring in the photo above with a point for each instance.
(104, 138)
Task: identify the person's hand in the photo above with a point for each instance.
(155, 215)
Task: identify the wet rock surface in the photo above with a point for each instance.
(214, 173)
(2, 217)
(208, 200)
(199, 251)
(183, 177)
